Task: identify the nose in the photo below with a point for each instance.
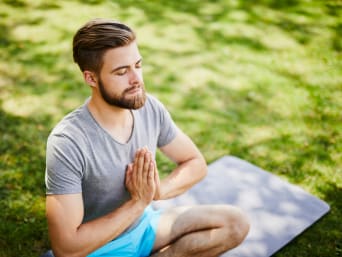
(135, 76)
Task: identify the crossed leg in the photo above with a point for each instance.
(201, 231)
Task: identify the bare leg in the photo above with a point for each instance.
(205, 230)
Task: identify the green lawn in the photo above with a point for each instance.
(261, 80)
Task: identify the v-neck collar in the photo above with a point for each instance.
(106, 132)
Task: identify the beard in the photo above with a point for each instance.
(122, 101)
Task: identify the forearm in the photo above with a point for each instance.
(91, 235)
(183, 177)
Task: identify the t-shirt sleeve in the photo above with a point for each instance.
(64, 166)
(168, 129)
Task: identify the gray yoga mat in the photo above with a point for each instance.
(278, 210)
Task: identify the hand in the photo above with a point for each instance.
(140, 177)
(157, 194)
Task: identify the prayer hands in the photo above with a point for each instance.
(142, 179)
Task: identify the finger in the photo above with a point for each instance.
(156, 174)
(156, 182)
(136, 156)
(151, 172)
(140, 165)
(135, 161)
(147, 160)
(129, 167)
(156, 178)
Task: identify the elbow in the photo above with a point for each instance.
(59, 252)
(64, 248)
(203, 168)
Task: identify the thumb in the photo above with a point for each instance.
(129, 167)
(156, 173)
(129, 171)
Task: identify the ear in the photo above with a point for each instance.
(90, 78)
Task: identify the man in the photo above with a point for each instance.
(101, 174)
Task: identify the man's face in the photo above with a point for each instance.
(120, 81)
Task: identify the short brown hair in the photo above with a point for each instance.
(96, 37)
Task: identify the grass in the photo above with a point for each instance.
(260, 80)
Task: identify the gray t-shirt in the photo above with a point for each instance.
(81, 157)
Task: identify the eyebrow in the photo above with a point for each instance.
(124, 66)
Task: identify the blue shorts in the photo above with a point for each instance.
(138, 241)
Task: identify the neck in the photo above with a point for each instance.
(108, 116)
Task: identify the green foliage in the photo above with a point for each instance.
(261, 80)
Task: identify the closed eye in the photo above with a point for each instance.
(121, 72)
(138, 64)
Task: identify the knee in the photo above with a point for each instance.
(240, 227)
(236, 227)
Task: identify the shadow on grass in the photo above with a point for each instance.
(22, 189)
(16, 3)
(290, 10)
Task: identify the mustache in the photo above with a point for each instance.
(134, 87)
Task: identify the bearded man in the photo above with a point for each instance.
(101, 173)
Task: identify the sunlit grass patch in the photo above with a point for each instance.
(259, 80)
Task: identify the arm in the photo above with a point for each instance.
(191, 167)
(70, 238)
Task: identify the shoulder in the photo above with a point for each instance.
(69, 122)
(71, 129)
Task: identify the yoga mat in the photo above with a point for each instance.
(278, 210)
